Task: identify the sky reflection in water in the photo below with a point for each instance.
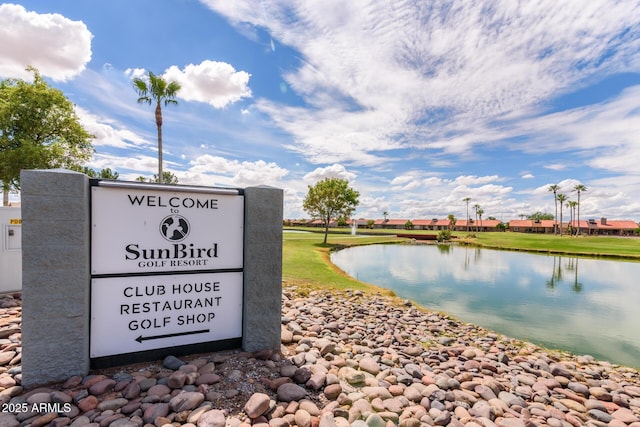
(586, 306)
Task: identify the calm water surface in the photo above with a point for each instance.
(586, 306)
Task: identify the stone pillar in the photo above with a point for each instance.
(262, 268)
(55, 275)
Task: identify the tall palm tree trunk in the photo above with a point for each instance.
(555, 199)
(159, 125)
(578, 230)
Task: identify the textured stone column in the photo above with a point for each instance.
(262, 268)
(55, 275)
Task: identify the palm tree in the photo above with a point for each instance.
(579, 188)
(476, 207)
(561, 198)
(452, 221)
(159, 91)
(571, 204)
(554, 188)
(480, 212)
(467, 199)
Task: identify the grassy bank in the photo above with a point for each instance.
(306, 264)
(600, 246)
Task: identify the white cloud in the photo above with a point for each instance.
(215, 83)
(527, 176)
(135, 73)
(402, 179)
(215, 170)
(57, 46)
(333, 171)
(556, 166)
(474, 180)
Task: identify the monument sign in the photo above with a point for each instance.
(121, 272)
(166, 267)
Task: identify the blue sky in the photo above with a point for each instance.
(418, 104)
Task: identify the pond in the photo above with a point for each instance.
(582, 305)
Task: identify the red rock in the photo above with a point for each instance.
(90, 380)
(257, 405)
(214, 418)
(88, 403)
(177, 380)
(186, 401)
(6, 357)
(102, 387)
(159, 390)
(155, 411)
(43, 420)
(131, 391)
(72, 382)
(625, 415)
(208, 378)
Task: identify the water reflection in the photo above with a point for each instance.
(587, 306)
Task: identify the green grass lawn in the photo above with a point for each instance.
(306, 264)
(602, 246)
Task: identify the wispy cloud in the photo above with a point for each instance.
(375, 76)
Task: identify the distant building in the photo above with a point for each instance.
(590, 227)
(532, 225)
(479, 225)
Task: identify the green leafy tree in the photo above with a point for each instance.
(539, 216)
(167, 178)
(452, 221)
(39, 129)
(444, 236)
(105, 173)
(408, 225)
(331, 198)
(157, 90)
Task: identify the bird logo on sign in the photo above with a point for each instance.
(175, 228)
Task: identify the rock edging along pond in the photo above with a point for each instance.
(348, 359)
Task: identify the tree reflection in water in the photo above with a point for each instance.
(557, 273)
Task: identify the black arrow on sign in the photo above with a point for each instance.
(177, 334)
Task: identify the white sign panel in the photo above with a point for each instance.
(131, 314)
(146, 231)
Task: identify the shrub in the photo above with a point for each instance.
(444, 236)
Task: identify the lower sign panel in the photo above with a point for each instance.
(133, 314)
